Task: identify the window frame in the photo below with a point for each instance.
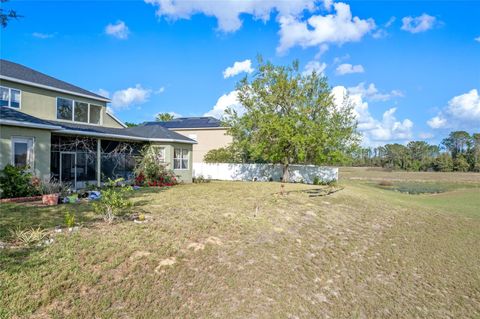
(10, 97)
(74, 101)
(30, 141)
(181, 158)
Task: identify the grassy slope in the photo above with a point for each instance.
(361, 252)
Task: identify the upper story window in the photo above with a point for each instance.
(10, 97)
(70, 110)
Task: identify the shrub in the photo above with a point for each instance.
(460, 164)
(54, 187)
(222, 155)
(29, 236)
(318, 181)
(150, 171)
(113, 203)
(200, 179)
(17, 182)
(69, 219)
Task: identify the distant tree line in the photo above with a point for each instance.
(459, 152)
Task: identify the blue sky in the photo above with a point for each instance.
(412, 68)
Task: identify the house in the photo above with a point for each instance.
(207, 131)
(62, 131)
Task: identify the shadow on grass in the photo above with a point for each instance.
(16, 260)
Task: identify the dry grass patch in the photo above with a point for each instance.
(237, 250)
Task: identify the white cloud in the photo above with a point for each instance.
(375, 131)
(118, 30)
(237, 68)
(462, 112)
(340, 59)
(314, 66)
(228, 13)
(390, 22)
(336, 28)
(348, 68)
(123, 99)
(40, 35)
(418, 24)
(371, 92)
(382, 32)
(160, 90)
(103, 93)
(477, 39)
(437, 122)
(229, 100)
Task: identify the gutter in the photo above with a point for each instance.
(3, 77)
(31, 125)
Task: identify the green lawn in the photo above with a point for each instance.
(237, 250)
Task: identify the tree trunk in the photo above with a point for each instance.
(286, 174)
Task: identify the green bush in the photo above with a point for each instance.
(113, 203)
(69, 219)
(16, 182)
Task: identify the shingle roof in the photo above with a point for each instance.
(139, 132)
(20, 72)
(188, 122)
(8, 114)
(152, 131)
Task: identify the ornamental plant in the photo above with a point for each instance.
(151, 171)
(113, 203)
(16, 182)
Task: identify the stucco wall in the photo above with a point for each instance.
(42, 103)
(184, 175)
(41, 148)
(207, 139)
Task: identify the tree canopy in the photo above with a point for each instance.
(290, 117)
(7, 15)
(164, 117)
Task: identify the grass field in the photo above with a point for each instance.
(241, 250)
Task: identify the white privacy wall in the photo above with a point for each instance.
(264, 172)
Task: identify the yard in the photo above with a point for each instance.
(243, 250)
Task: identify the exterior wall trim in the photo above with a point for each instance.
(3, 77)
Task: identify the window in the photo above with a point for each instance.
(10, 97)
(180, 158)
(22, 152)
(64, 109)
(95, 112)
(81, 112)
(76, 111)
